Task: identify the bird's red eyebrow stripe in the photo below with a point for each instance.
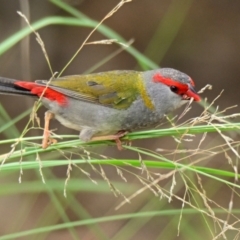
(48, 93)
(183, 88)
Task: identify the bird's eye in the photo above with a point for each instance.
(174, 89)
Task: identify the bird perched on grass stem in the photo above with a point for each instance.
(106, 105)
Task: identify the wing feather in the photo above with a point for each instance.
(117, 89)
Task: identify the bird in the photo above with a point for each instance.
(107, 105)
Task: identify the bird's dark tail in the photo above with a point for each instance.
(7, 86)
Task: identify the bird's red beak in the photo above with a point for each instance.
(191, 93)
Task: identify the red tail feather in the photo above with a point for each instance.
(43, 91)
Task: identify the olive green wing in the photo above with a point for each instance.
(116, 89)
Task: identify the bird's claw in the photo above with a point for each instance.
(115, 137)
(47, 140)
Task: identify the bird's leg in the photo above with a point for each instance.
(47, 141)
(115, 137)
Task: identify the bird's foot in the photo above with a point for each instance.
(47, 140)
(116, 137)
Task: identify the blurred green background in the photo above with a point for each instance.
(200, 38)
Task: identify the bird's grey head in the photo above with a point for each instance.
(178, 82)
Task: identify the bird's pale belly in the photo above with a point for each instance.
(103, 120)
